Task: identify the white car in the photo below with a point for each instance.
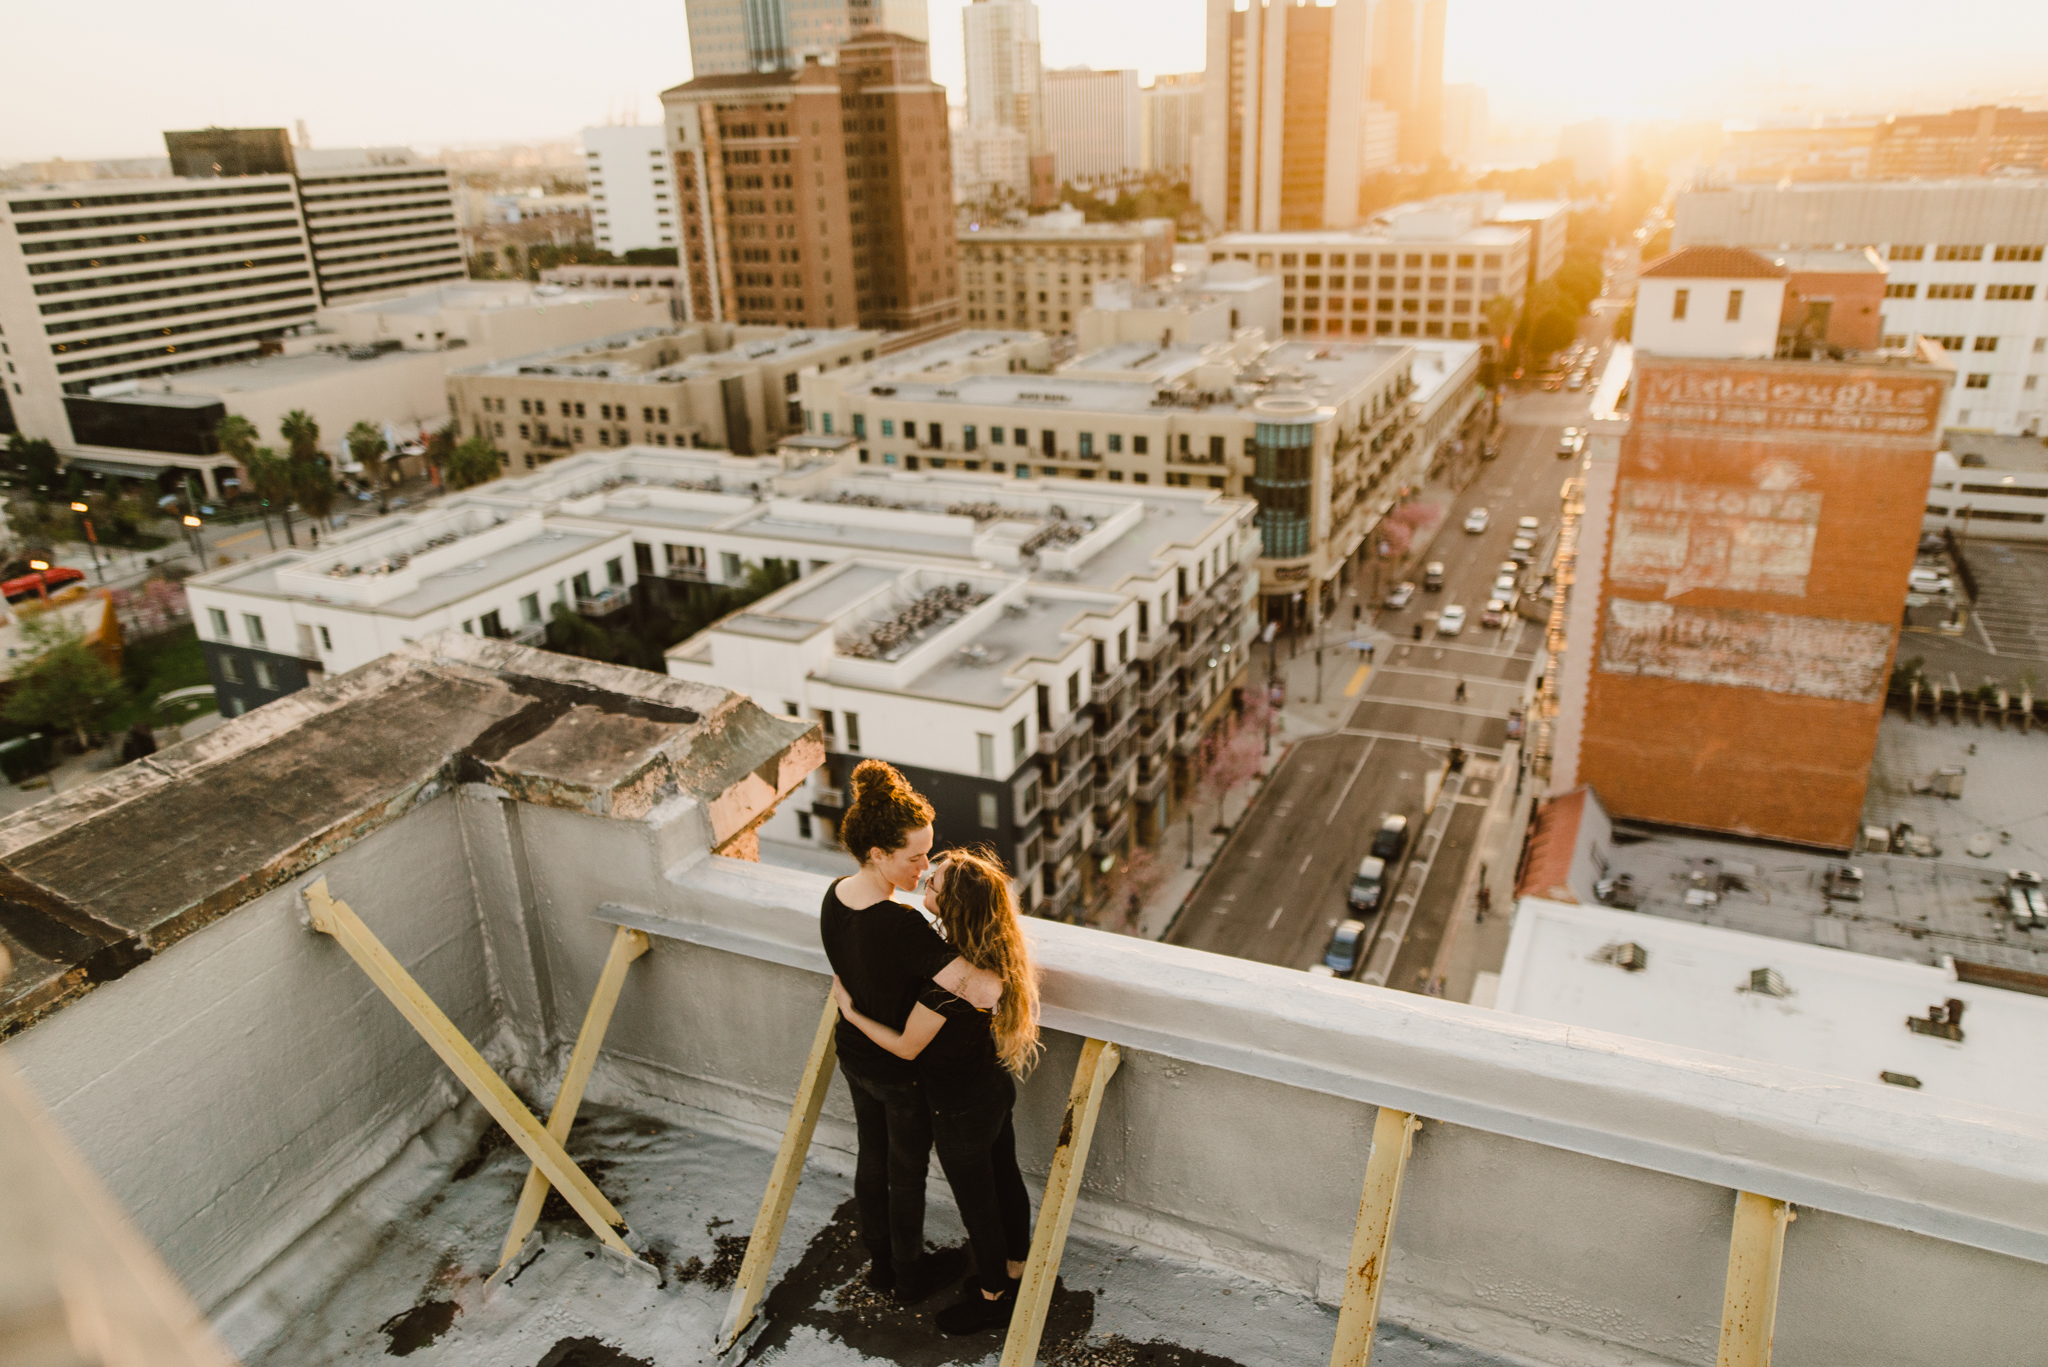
(1451, 622)
(1526, 527)
(1504, 586)
(1523, 542)
(1403, 594)
(1926, 580)
(1475, 521)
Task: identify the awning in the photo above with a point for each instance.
(127, 469)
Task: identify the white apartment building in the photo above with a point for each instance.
(632, 188)
(1325, 437)
(379, 219)
(732, 37)
(1170, 111)
(1093, 125)
(1989, 485)
(1418, 271)
(107, 283)
(1965, 267)
(988, 160)
(1379, 138)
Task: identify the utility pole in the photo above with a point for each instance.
(84, 512)
(198, 546)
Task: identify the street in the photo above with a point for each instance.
(1278, 887)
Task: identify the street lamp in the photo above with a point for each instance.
(84, 512)
(42, 579)
(192, 525)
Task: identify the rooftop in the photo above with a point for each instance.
(273, 372)
(483, 296)
(1714, 263)
(493, 815)
(1828, 261)
(1372, 235)
(1826, 1011)
(614, 358)
(1992, 451)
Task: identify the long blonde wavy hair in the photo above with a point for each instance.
(980, 917)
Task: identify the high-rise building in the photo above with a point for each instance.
(1042, 273)
(1736, 560)
(1170, 113)
(632, 187)
(1964, 142)
(1465, 121)
(379, 219)
(214, 152)
(1005, 129)
(1093, 125)
(729, 37)
(1379, 139)
(1282, 116)
(1408, 72)
(819, 196)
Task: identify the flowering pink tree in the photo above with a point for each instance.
(1232, 762)
(1137, 879)
(157, 606)
(1407, 525)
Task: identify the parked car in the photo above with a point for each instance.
(1433, 577)
(1576, 382)
(1508, 567)
(1926, 579)
(1368, 884)
(36, 583)
(1496, 614)
(1401, 596)
(1391, 838)
(1504, 586)
(1523, 540)
(1475, 521)
(1341, 958)
(1527, 527)
(1569, 443)
(1520, 557)
(2024, 898)
(1451, 621)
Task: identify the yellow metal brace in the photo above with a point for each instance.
(1392, 1136)
(1098, 1064)
(1749, 1305)
(332, 916)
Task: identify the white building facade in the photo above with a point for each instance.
(380, 220)
(632, 189)
(1171, 110)
(1093, 125)
(1964, 266)
(730, 37)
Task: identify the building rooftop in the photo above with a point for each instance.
(1993, 451)
(275, 372)
(1714, 263)
(1828, 261)
(610, 358)
(1826, 1012)
(1371, 235)
(484, 296)
(495, 815)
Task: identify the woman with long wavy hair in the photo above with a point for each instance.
(968, 1060)
(884, 955)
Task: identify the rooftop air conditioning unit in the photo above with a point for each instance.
(1767, 982)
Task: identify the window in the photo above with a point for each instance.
(1959, 251)
(1978, 381)
(1019, 437)
(1018, 736)
(1985, 344)
(2010, 253)
(968, 438)
(529, 609)
(581, 583)
(1951, 291)
(231, 669)
(803, 825)
(1123, 646)
(1946, 343)
(986, 810)
(730, 567)
(491, 624)
(266, 677)
(1074, 691)
(1678, 302)
(1141, 445)
(253, 624)
(1901, 291)
(985, 753)
(2008, 291)
(1900, 252)
(1735, 306)
(326, 641)
(2031, 382)
(852, 730)
(860, 425)
(219, 620)
(615, 570)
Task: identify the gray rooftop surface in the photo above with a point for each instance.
(399, 1270)
(1010, 638)
(448, 586)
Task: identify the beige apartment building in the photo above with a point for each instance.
(715, 385)
(1042, 273)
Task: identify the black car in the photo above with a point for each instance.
(1390, 839)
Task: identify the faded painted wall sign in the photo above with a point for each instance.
(1674, 536)
(1755, 399)
(1809, 657)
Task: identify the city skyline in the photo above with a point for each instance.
(1523, 57)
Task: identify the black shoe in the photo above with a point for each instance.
(932, 1273)
(975, 1312)
(881, 1276)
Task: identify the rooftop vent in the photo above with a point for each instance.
(1627, 955)
(1900, 1080)
(1768, 982)
(1943, 1020)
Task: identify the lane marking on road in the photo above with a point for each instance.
(1357, 681)
(1345, 792)
(1445, 674)
(1426, 742)
(238, 538)
(1438, 707)
(1274, 919)
(1304, 862)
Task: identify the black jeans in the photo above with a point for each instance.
(978, 1150)
(895, 1132)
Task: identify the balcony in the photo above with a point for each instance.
(1152, 644)
(615, 599)
(1110, 838)
(1065, 898)
(1117, 732)
(1153, 776)
(531, 634)
(1162, 687)
(1074, 776)
(1569, 1197)
(1114, 779)
(1077, 723)
(1063, 836)
(687, 574)
(1104, 689)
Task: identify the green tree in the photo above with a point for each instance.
(1552, 332)
(368, 446)
(1580, 279)
(1500, 320)
(314, 490)
(63, 684)
(270, 477)
(473, 462)
(301, 434)
(441, 445)
(238, 437)
(571, 633)
(32, 465)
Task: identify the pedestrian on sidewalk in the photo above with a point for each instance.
(1485, 904)
(1461, 690)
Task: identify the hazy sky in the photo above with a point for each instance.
(104, 79)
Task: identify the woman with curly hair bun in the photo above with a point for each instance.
(883, 955)
(967, 1059)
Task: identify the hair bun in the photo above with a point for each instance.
(872, 778)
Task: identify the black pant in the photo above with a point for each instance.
(895, 1132)
(978, 1149)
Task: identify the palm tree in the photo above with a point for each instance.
(313, 487)
(237, 437)
(369, 448)
(271, 476)
(301, 433)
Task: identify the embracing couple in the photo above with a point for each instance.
(935, 1025)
